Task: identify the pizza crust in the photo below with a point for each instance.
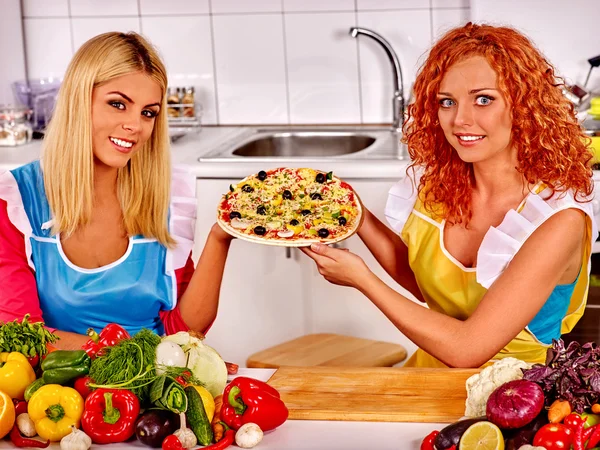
(281, 242)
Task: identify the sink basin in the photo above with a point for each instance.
(304, 144)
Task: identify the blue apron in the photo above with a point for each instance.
(130, 291)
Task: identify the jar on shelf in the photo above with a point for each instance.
(188, 102)
(15, 125)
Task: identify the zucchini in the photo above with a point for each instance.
(197, 418)
(32, 388)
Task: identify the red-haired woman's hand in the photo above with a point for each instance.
(338, 266)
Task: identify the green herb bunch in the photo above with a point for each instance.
(25, 337)
(130, 364)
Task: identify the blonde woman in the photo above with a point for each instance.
(101, 229)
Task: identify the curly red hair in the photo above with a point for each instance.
(550, 143)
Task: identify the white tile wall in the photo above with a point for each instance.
(104, 8)
(45, 8)
(410, 42)
(250, 72)
(322, 68)
(46, 56)
(318, 5)
(172, 7)
(85, 28)
(280, 61)
(445, 19)
(238, 6)
(186, 67)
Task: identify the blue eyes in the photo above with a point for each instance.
(480, 100)
(150, 114)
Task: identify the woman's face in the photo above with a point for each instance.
(474, 115)
(123, 114)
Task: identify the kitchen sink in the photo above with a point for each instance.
(305, 144)
(318, 143)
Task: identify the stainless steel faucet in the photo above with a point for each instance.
(398, 99)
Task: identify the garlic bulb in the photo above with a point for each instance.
(26, 425)
(75, 440)
(185, 435)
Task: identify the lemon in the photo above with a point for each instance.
(482, 436)
(208, 401)
(7, 414)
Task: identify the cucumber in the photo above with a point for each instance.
(32, 388)
(197, 418)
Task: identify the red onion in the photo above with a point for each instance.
(515, 404)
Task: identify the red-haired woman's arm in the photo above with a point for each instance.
(18, 295)
(389, 250)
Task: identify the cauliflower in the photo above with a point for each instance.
(482, 384)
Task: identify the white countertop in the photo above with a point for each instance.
(194, 145)
(313, 434)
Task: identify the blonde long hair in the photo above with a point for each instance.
(144, 184)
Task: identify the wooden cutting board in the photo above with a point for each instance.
(381, 394)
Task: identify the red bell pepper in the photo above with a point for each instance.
(248, 400)
(109, 336)
(109, 415)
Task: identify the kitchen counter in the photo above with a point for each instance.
(312, 434)
(189, 148)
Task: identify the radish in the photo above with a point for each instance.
(515, 404)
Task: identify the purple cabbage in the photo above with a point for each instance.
(571, 373)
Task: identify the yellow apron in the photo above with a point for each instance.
(452, 289)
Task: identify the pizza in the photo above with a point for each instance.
(290, 207)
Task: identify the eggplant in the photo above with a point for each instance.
(451, 434)
(155, 425)
(516, 438)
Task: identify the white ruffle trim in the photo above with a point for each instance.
(401, 200)
(9, 192)
(501, 243)
(182, 221)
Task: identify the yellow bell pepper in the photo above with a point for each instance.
(15, 374)
(53, 409)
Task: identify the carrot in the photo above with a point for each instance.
(558, 411)
(216, 424)
(596, 408)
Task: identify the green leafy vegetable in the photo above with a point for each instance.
(25, 337)
(129, 365)
(166, 393)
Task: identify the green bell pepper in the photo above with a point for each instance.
(62, 366)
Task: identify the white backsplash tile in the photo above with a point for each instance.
(85, 28)
(318, 5)
(445, 19)
(185, 67)
(566, 36)
(45, 8)
(104, 8)
(450, 3)
(159, 7)
(250, 69)
(322, 68)
(245, 6)
(47, 46)
(367, 5)
(410, 41)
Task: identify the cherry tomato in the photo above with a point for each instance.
(81, 386)
(572, 421)
(427, 443)
(554, 436)
(171, 442)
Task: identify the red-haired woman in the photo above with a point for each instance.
(491, 227)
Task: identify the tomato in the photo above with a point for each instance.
(81, 386)
(572, 421)
(554, 436)
(427, 443)
(171, 442)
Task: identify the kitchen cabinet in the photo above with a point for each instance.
(261, 301)
(344, 310)
(270, 295)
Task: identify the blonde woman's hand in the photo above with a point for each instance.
(220, 235)
(338, 266)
